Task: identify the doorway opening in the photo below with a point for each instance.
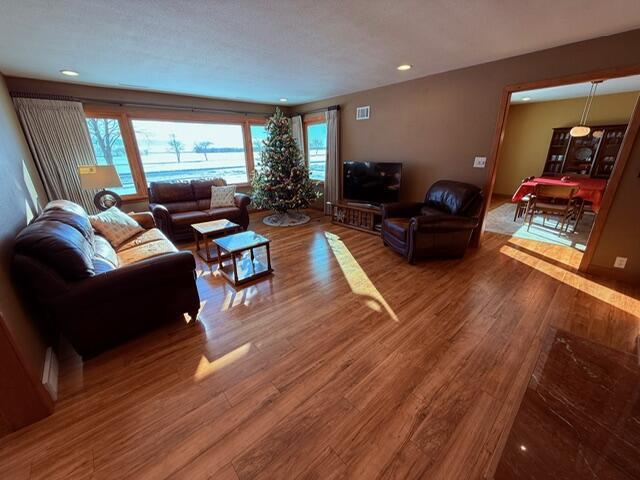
(550, 180)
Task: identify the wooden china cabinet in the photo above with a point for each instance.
(592, 156)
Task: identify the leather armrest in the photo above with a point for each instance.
(134, 278)
(443, 223)
(162, 217)
(158, 209)
(145, 219)
(242, 200)
(401, 209)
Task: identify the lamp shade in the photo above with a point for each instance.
(98, 177)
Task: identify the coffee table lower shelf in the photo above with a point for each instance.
(237, 260)
(245, 273)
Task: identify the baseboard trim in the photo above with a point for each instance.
(614, 274)
(50, 373)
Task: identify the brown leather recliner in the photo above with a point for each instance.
(96, 296)
(441, 226)
(178, 205)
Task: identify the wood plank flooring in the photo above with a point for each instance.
(346, 363)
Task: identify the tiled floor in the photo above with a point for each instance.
(580, 416)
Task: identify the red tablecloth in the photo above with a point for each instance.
(589, 189)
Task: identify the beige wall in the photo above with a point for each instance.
(529, 128)
(21, 196)
(436, 125)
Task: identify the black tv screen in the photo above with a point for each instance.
(371, 182)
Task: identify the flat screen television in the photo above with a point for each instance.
(371, 182)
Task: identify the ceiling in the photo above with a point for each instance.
(577, 90)
(303, 50)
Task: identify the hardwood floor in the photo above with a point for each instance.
(346, 363)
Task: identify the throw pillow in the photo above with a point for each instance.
(115, 225)
(223, 196)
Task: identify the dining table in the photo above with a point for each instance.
(589, 189)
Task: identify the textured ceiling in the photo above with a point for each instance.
(300, 49)
(577, 90)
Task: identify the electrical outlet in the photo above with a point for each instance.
(479, 162)
(620, 262)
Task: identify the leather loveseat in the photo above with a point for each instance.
(178, 205)
(441, 226)
(93, 294)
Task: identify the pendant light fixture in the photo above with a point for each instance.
(581, 130)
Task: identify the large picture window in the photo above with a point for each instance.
(172, 150)
(109, 149)
(258, 136)
(316, 144)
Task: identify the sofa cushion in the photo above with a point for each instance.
(177, 207)
(452, 197)
(430, 211)
(188, 218)
(230, 213)
(105, 252)
(71, 214)
(115, 225)
(145, 237)
(59, 246)
(202, 188)
(144, 251)
(397, 227)
(170, 192)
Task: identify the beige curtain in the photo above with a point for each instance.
(332, 174)
(296, 132)
(59, 140)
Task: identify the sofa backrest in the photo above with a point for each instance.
(61, 238)
(455, 198)
(183, 196)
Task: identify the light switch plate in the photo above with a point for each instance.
(620, 262)
(479, 162)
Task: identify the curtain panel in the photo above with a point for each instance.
(332, 173)
(58, 138)
(296, 132)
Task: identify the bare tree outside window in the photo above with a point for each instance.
(202, 147)
(176, 146)
(106, 133)
(316, 144)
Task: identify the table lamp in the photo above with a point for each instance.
(101, 177)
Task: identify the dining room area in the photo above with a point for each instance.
(559, 150)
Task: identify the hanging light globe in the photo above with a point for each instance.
(579, 131)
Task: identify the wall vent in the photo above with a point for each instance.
(362, 113)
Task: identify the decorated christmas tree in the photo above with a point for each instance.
(282, 183)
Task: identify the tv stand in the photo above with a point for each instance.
(359, 216)
(362, 204)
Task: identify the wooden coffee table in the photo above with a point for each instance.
(231, 249)
(207, 230)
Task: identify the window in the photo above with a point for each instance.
(171, 150)
(316, 138)
(109, 149)
(258, 135)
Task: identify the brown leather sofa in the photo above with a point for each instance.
(93, 294)
(441, 226)
(177, 205)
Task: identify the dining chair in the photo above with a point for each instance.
(555, 200)
(521, 206)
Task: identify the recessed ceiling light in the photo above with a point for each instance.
(526, 99)
(404, 67)
(523, 448)
(283, 100)
(69, 73)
